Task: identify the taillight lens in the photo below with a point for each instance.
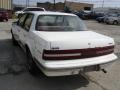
(77, 53)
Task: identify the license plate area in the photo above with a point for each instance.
(91, 68)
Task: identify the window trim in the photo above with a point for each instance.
(38, 19)
(85, 28)
(26, 19)
(23, 20)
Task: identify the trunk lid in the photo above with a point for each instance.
(75, 40)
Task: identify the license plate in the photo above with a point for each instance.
(91, 68)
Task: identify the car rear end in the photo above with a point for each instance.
(68, 57)
(3, 16)
(68, 50)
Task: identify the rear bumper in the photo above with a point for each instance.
(70, 67)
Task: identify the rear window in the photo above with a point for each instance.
(34, 9)
(59, 23)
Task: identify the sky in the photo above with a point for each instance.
(97, 3)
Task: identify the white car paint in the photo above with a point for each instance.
(23, 10)
(71, 40)
(113, 19)
(38, 41)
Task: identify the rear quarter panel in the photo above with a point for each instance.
(40, 45)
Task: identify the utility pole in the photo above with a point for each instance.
(54, 5)
(28, 2)
(103, 3)
(65, 3)
(12, 4)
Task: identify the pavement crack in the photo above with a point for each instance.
(89, 78)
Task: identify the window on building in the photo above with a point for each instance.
(87, 8)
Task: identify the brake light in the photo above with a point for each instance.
(77, 53)
(61, 55)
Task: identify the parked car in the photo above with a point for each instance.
(84, 14)
(100, 19)
(113, 19)
(96, 15)
(18, 13)
(60, 44)
(3, 15)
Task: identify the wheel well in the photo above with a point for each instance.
(11, 31)
(115, 21)
(27, 48)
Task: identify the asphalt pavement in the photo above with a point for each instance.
(15, 76)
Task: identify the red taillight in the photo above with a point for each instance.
(77, 53)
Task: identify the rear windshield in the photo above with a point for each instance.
(59, 23)
(34, 9)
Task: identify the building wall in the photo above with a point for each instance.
(6, 4)
(50, 6)
(79, 6)
(71, 5)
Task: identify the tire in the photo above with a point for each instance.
(99, 21)
(6, 20)
(15, 43)
(115, 23)
(31, 65)
(106, 22)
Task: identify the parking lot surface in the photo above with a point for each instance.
(14, 75)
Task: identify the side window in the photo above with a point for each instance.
(21, 20)
(28, 22)
(27, 9)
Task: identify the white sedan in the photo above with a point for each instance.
(18, 13)
(60, 44)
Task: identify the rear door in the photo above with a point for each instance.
(25, 33)
(19, 27)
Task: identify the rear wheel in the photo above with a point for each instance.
(31, 65)
(14, 41)
(6, 20)
(107, 22)
(115, 22)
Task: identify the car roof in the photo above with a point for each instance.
(33, 7)
(50, 13)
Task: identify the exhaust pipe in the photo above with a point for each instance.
(105, 71)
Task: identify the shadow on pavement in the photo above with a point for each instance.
(13, 61)
(63, 83)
